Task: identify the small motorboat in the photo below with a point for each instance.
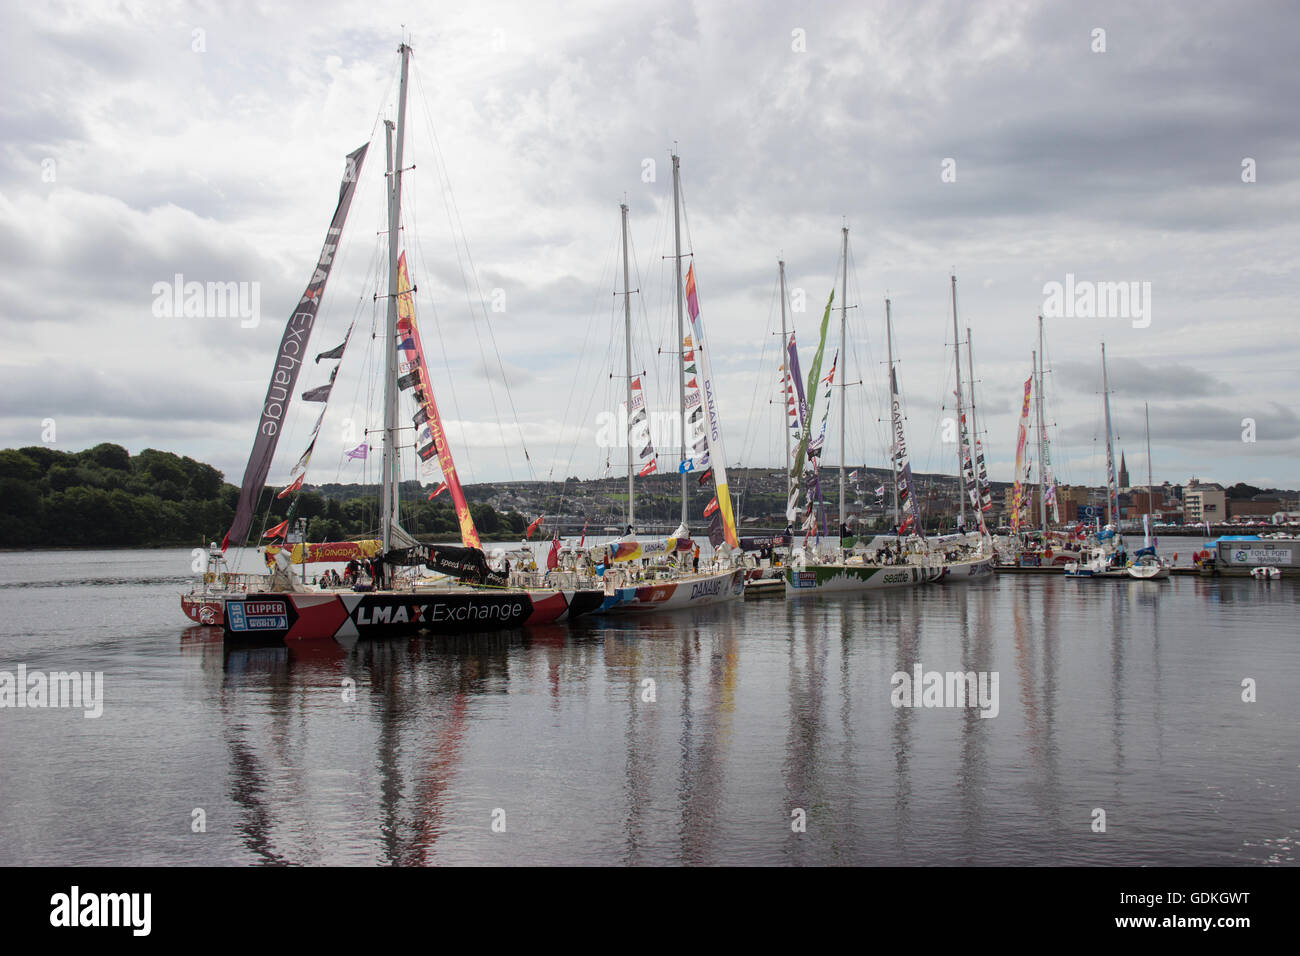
(1148, 567)
(1265, 574)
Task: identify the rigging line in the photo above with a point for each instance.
(582, 357)
(758, 382)
(454, 210)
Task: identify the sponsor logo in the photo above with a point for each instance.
(436, 613)
(705, 589)
(896, 577)
(258, 616)
(804, 579)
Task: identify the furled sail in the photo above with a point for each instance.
(288, 362)
(711, 415)
(814, 375)
(428, 421)
(1017, 490)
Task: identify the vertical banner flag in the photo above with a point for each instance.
(426, 415)
(288, 362)
(713, 426)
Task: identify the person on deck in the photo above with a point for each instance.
(696, 557)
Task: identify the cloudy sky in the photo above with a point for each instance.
(1012, 144)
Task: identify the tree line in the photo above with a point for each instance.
(107, 497)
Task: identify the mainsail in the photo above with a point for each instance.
(415, 373)
(713, 421)
(288, 362)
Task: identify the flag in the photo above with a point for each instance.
(358, 452)
(437, 491)
(648, 468)
(854, 473)
(294, 486)
(880, 492)
(685, 465)
(533, 527)
(278, 531)
(319, 394)
(553, 556)
(711, 507)
(583, 539)
(407, 344)
(706, 476)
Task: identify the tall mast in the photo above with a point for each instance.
(974, 465)
(844, 311)
(391, 472)
(681, 331)
(1042, 434)
(1146, 413)
(785, 398)
(627, 337)
(893, 453)
(1110, 452)
(956, 345)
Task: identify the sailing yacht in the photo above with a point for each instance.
(1107, 556)
(910, 559)
(664, 577)
(477, 597)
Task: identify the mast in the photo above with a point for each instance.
(1042, 432)
(956, 345)
(785, 361)
(627, 338)
(1146, 414)
(974, 464)
(391, 472)
(893, 452)
(1110, 452)
(681, 332)
(844, 311)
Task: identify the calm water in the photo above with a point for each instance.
(1120, 696)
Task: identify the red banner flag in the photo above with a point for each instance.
(533, 527)
(278, 531)
(649, 468)
(711, 507)
(297, 483)
(437, 491)
(553, 556)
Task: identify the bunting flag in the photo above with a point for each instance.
(534, 526)
(705, 477)
(903, 467)
(711, 507)
(638, 428)
(797, 411)
(442, 486)
(278, 531)
(713, 425)
(880, 492)
(1017, 490)
(288, 362)
(583, 540)
(553, 556)
(301, 466)
(418, 371)
(359, 452)
(320, 394)
(338, 350)
(815, 447)
(294, 486)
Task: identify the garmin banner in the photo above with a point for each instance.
(288, 362)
